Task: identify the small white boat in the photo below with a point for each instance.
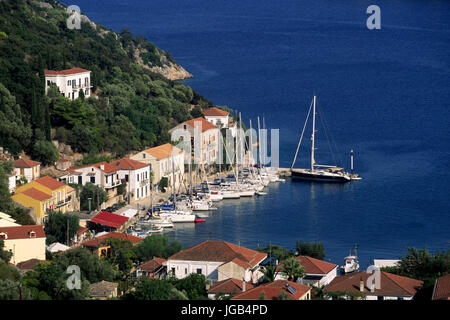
(163, 223)
(351, 263)
(178, 216)
(261, 193)
(247, 192)
(230, 194)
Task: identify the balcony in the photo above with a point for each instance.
(144, 182)
(84, 85)
(113, 184)
(62, 203)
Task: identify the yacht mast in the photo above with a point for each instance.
(313, 133)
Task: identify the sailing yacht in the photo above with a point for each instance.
(316, 172)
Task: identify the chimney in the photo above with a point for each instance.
(372, 287)
(243, 285)
(102, 167)
(361, 285)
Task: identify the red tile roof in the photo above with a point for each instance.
(230, 286)
(442, 288)
(124, 164)
(98, 241)
(109, 219)
(215, 112)
(390, 284)
(312, 265)
(205, 124)
(29, 264)
(151, 265)
(220, 251)
(65, 72)
(36, 194)
(25, 163)
(272, 290)
(23, 232)
(50, 183)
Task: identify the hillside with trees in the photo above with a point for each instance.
(134, 106)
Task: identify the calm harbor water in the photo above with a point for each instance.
(384, 93)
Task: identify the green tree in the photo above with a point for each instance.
(292, 269)
(95, 193)
(269, 273)
(156, 246)
(151, 289)
(194, 286)
(45, 152)
(310, 249)
(276, 252)
(5, 255)
(59, 226)
(122, 255)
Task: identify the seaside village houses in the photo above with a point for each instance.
(220, 118)
(166, 161)
(70, 82)
(110, 176)
(205, 151)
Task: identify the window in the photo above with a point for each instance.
(380, 298)
(48, 82)
(69, 82)
(173, 270)
(185, 270)
(86, 92)
(143, 156)
(32, 234)
(199, 271)
(107, 179)
(93, 180)
(137, 177)
(3, 236)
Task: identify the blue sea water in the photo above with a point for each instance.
(384, 93)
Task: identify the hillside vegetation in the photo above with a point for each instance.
(135, 107)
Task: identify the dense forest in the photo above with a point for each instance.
(134, 107)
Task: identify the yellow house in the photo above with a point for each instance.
(44, 194)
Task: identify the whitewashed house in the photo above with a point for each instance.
(221, 119)
(318, 273)
(70, 82)
(31, 170)
(217, 261)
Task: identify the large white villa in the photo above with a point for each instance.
(70, 82)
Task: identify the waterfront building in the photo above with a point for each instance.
(275, 290)
(391, 286)
(204, 151)
(24, 242)
(70, 82)
(162, 164)
(318, 273)
(217, 261)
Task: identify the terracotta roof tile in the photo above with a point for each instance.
(205, 124)
(215, 112)
(25, 163)
(442, 288)
(151, 265)
(220, 251)
(272, 290)
(65, 72)
(312, 265)
(50, 183)
(23, 232)
(36, 194)
(390, 284)
(163, 151)
(230, 286)
(29, 264)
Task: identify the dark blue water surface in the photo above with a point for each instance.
(385, 93)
